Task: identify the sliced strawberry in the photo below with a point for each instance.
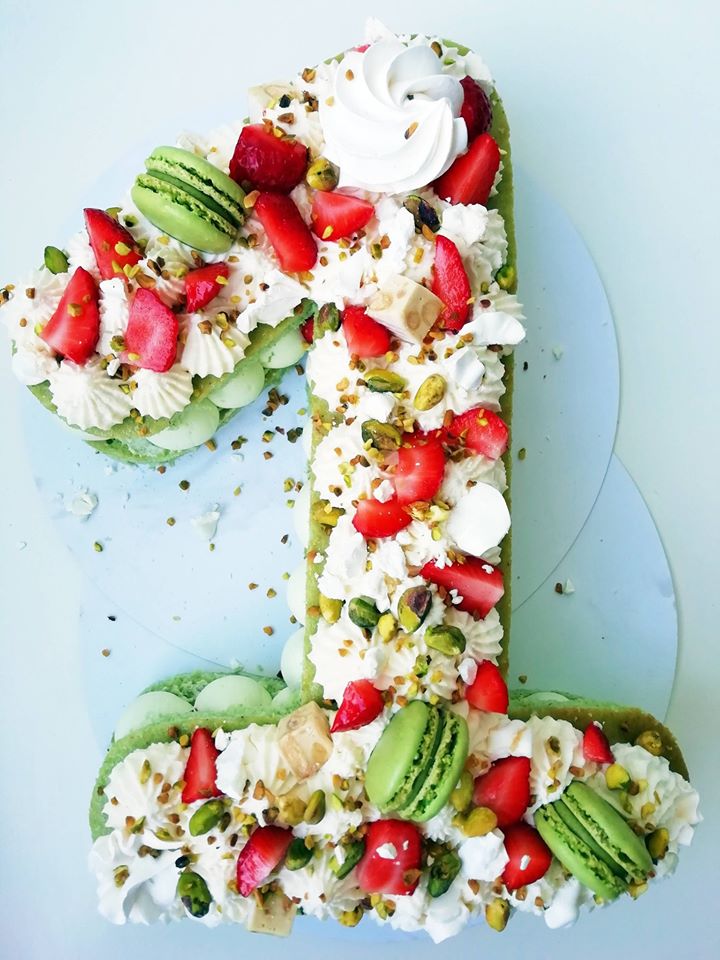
(261, 854)
(336, 215)
(375, 519)
(488, 691)
(450, 283)
(529, 856)
(286, 230)
(420, 469)
(478, 583)
(200, 773)
(307, 329)
(268, 162)
(505, 789)
(112, 244)
(73, 330)
(152, 332)
(204, 284)
(596, 746)
(470, 178)
(476, 109)
(392, 858)
(365, 336)
(361, 703)
(481, 431)
(362, 48)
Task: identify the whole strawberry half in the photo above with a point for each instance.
(152, 332)
(287, 232)
(267, 162)
(476, 109)
(375, 519)
(470, 178)
(361, 704)
(200, 772)
(596, 746)
(478, 583)
(113, 245)
(420, 469)
(529, 856)
(204, 284)
(505, 789)
(261, 854)
(450, 283)
(336, 215)
(365, 336)
(488, 691)
(392, 858)
(74, 328)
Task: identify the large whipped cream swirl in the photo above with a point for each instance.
(392, 122)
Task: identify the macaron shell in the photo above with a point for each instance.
(200, 173)
(609, 830)
(421, 767)
(180, 216)
(448, 761)
(574, 825)
(576, 856)
(396, 753)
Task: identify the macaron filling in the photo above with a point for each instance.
(147, 180)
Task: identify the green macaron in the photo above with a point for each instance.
(188, 198)
(592, 840)
(417, 761)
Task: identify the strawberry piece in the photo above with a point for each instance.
(529, 856)
(470, 178)
(450, 283)
(286, 230)
(392, 858)
(204, 284)
(481, 431)
(365, 336)
(74, 328)
(336, 215)
(361, 703)
(488, 691)
(200, 773)
(478, 583)
(476, 109)
(596, 746)
(268, 162)
(362, 48)
(505, 789)
(420, 469)
(307, 329)
(113, 245)
(375, 519)
(261, 854)
(152, 332)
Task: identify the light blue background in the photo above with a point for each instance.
(613, 109)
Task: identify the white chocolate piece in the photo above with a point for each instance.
(304, 740)
(275, 916)
(406, 308)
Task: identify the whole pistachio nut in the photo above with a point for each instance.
(497, 913)
(315, 809)
(351, 918)
(353, 852)
(55, 260)
(445, 639)
(330, 609)
(381, 436)
(461, 797)
(413, 607)
(657, 843)
(387, 626)
(506, 277)
(321, 175)
(291, 810)
(206, 817)
(617, 777)
(423, 214)
(298, 855)
(363, 612)
(328, 318)
(384, 381)
(479, 822)
(443, 871)
(194, 893)
(651, 741)
(430, 392)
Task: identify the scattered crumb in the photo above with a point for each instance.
(271, 594)
(176, 618)
(238, 443)
(569, 586)
(267, 455)
(284, 538)
(105, 652)
(252, 586)
(237, 491)
(558, 587)
(206, 523)
(112, 618)
(522, 678)
(525, 365)
(522, 453)
(269, 631)
(98, 547)
(162, 468)
(170, 521)
(184, 484)
(211, 445)
(557, 352)
(21, 544)
(82, 504)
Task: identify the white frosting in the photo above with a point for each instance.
(483, 858)
(391, 122)
(87, 397)
(80, 254)
(114, 312)
(159, 395)
(208, 354)
(460, 475)
(130, 793)
(556, 747)
(336, 479)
